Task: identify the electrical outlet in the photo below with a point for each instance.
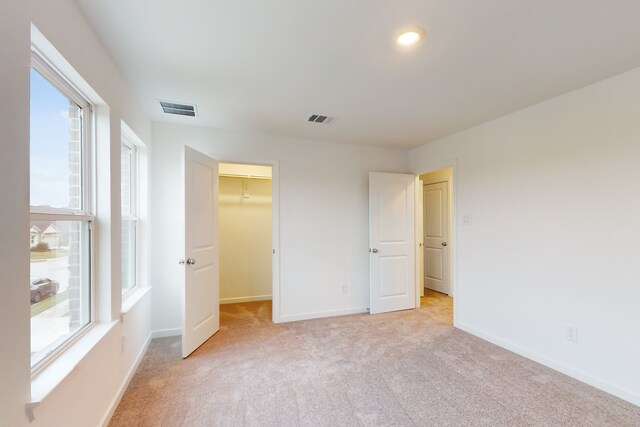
(344, 289)
(466, 220)
(572, 333)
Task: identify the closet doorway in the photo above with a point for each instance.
(247, 226)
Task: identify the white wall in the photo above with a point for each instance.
(552, 192)
(245, 239)
(323, 217)
(85, 396)
(14, 213)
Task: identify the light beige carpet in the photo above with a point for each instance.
(403, 368)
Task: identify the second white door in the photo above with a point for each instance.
(436, 237)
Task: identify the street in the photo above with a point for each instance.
(54, 268)
(53, 323)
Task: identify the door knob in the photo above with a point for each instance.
(444, 243)
(191, 261)
(181, 261)
(374, 250)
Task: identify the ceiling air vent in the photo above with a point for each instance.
(325, 120)
(179, 109)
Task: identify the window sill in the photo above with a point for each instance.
(132, 298)
(66, 364)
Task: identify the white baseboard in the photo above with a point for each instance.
(123, 387)
(592, 380)
(321, 314)
(116, 400)
(163, 333)
(245, 299)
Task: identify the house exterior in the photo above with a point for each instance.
(45, 232)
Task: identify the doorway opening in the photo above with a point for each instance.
(245, 212)
(436, 234)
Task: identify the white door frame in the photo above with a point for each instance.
(275, 222)
(453, 229)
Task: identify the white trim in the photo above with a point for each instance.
(164, 333)
(130, 135)
(46, 69)
(245, 299)
(322, 314)
(132, 296)
(453, 215)
(50, 54)
(61, 217)
(65, 365)
(125, 383)
(579, 375)
(275, 221)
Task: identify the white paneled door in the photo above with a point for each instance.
(436, 237)
(201, 311)
(391, 236)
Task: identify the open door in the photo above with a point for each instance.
(392, 236)
(419, 240)
(201, 298)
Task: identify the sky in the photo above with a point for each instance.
(49, 144)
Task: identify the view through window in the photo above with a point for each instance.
(59, 234)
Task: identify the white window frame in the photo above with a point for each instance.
(134, 204)
(85, 213)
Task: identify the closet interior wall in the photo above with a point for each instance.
(245, 212)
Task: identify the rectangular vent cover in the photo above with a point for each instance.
(179, 109)
(317, 118)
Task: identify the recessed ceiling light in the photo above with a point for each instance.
(410, 36)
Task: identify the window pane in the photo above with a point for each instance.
(60, 283)
(126, 179)
(128, 254)
(56, 134)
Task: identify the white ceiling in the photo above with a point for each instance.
(266, 66)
